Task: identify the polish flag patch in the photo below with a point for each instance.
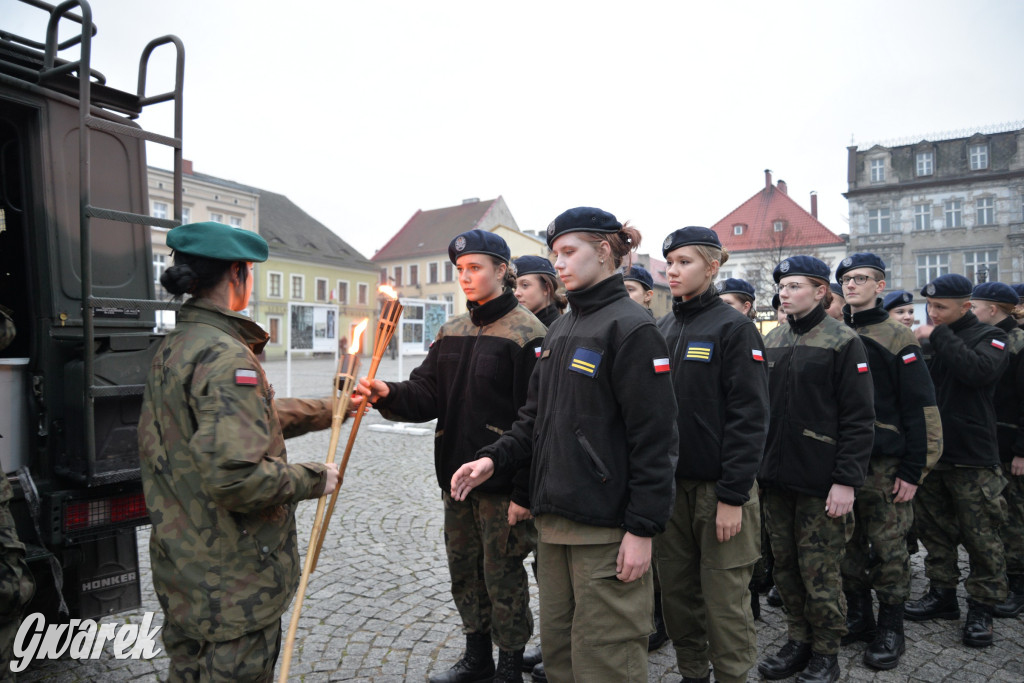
(247, 378)
(758, 356)
(909, 358)
(536, 351)
(998, 344)
(862, 368)
(661, 365)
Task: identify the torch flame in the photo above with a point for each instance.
(388, 291)
(357, 335)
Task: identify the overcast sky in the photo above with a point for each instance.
(664, 113)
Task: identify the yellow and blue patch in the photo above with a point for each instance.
(699, 351)
(585, 362)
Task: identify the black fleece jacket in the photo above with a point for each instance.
(721, 385)
(599, 426)
(474, 380)
(1009, 398)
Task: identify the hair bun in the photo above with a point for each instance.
(178, 279)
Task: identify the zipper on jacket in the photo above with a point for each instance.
(598, 465)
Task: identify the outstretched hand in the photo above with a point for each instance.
(471, 475)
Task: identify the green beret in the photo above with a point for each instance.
(218, 241)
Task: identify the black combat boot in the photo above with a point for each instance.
(703, 679)
(1014, 603)
(531, 658)
(660, 635)
(792, 658)
(510, 666)
(885, 651)
(538, 674)
(774, 599)
(937, 603)
(821, 669)
(476, 665)
(860, 618)
(978, 627)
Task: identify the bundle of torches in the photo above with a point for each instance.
(344, 383)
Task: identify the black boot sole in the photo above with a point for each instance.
(884, 666)
(779, 675)
(1007, 614)
(863, 636)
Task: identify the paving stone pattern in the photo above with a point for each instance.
(378, 607)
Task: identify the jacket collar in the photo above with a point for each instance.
(963, 323)
(1007, 324)
(690, 307)
(598, 296)
(804, 324)
(230, 322)
(872, 316)
(493, 310)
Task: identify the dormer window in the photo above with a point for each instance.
(925, 163)
(979, 157)
(737, 229)
(877, 170)
(778, 226)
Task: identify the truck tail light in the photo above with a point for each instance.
(94, 513)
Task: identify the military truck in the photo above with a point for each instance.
(76, 270)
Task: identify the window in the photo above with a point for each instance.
(235, 221)
(737, 229)
(924, 163)
(274, 285)
(930, 266)
(398, 276)
(724, 274)
(877, 170)
(979, 157)
(321, 289)
(217, 217)
(342, 292)
(954, 214)
(431, 273)
(778, 226)
(985, 261)
(449, 302)
(878, 221)
(159, 210)
(922, 216)
(449, 271)
(186, 214)
(274, 329)
(986, 214)
(383, 276)
(364, 293)
(298, 286)
(414, 276)
(159, 266)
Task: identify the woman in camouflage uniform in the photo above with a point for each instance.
(219, 489)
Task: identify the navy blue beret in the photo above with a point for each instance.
(478, 242)
(1019, 289)
(218, 241)
(639, 274)
(995, 291)
(533, 265)
(690, 235)
(896, 299)
(776, 302)
(807, 266)
(582, 219)
(734, 285)
(949, 286)
(860, 260)
(837, 289)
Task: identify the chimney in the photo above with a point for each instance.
(782, 187)
(814, 203)
(767, 178)
(471, 200)
(186, 166)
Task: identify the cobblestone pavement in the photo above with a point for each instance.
(378, 607)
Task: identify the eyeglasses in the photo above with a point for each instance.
(859, 279)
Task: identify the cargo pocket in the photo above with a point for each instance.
(992, 482)
(619, 611)
(824, 438)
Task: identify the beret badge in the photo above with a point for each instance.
(460, 243)
(930, 290)
(847, 262)
(667, 243)
(784, 267)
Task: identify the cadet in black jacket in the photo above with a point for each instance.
(908, 437)
(819, 443)
(537, 288)
(706, 555)
(599, 431)
(473, 380)
(961, 500)
(993, 303)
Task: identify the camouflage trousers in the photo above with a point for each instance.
(485, 558)
(964, 505)
(16, 588)
(876, 556)
(809, 547)
(705, 590)
(1013, 531)
(250, 658)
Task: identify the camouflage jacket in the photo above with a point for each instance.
(220, 492)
